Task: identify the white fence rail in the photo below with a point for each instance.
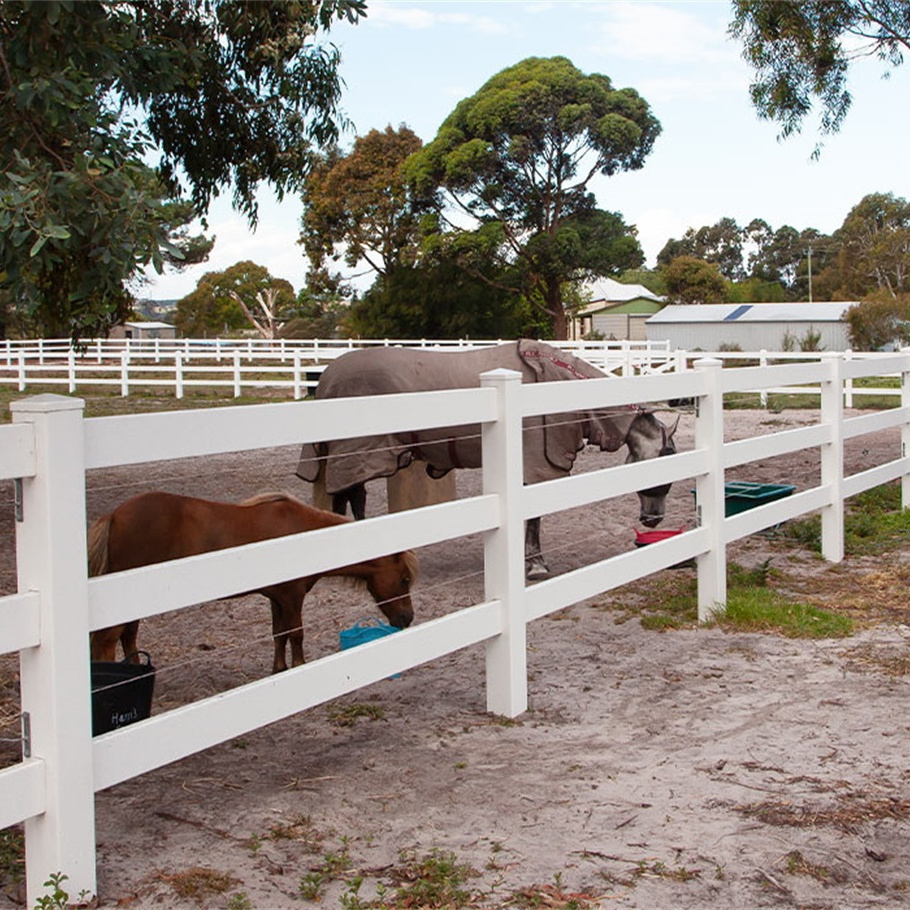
(296, 365)
(49, 447)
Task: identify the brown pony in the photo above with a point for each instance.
(156, 527)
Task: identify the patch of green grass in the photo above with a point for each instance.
(752, 605)
(873, 522)
(348, 715)
(12, 855)
(110, 403)
(767, 610)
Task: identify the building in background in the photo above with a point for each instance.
(143, 330)
(752, 326)
(617, 311)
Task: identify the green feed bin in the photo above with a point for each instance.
(740, 495)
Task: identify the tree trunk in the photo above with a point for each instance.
(554, 305)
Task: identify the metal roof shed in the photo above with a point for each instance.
(750, 326)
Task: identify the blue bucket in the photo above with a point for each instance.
(362, 632)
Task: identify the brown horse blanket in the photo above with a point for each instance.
(551, 443)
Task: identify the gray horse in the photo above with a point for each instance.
(550, 443)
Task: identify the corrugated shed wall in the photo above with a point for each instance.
(770, 336)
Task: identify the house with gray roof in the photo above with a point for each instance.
(617, 311)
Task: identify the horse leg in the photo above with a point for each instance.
(128, 636)
(294, 627)
(535, 567)
(356, 496)
(279, 637)
(103, 643)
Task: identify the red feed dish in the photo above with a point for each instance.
(645, 537)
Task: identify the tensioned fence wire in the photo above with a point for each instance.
(569, 543)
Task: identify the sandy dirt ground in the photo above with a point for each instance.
(680, 769)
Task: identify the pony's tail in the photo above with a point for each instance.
(98, 536)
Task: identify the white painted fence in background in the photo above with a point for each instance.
(296, 365)
(49, 447)
(239, 364)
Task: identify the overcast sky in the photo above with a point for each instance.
(412, 61)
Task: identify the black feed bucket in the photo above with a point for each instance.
(121, 693)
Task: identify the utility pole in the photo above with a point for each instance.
(809, 254)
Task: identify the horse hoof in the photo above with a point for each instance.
(536, 571)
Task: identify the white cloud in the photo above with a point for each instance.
(430, 16)
(662, 34)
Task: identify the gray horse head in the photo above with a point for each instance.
(649, 438)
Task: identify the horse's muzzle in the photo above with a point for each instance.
(401, 615)
(651, 519)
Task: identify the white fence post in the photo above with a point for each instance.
(709, 493)
(297, 372)
(848, 384)
(831, 413)
(125, 373)
(763, 362)
(21, 371)
(55, 681)
(237, 373)
(905, 427)
(504, 579)
(178, 374)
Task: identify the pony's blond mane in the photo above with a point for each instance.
(98, 535)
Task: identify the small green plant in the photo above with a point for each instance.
(311, 885)
(333, 866)
(239, 901)
(58, 897)
(435, 879)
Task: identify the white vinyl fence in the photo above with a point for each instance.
(180, 364)
(49, 447)
(236, 365)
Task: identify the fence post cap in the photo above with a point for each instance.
(46, 404)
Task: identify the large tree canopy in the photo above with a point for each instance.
(802, 52)
(216, 94)
(358, 206)
(874, 248)
(518, 157)
(213, 308)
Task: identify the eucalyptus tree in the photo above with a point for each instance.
(720, 243)
(874, 247)
(802, 53)
(114, 109)
(222, 302)
(358, 207)
(514, 162)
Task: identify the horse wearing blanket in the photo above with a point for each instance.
(550, 442)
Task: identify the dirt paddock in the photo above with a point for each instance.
(682, 769)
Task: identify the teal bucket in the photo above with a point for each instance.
(362, 632)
